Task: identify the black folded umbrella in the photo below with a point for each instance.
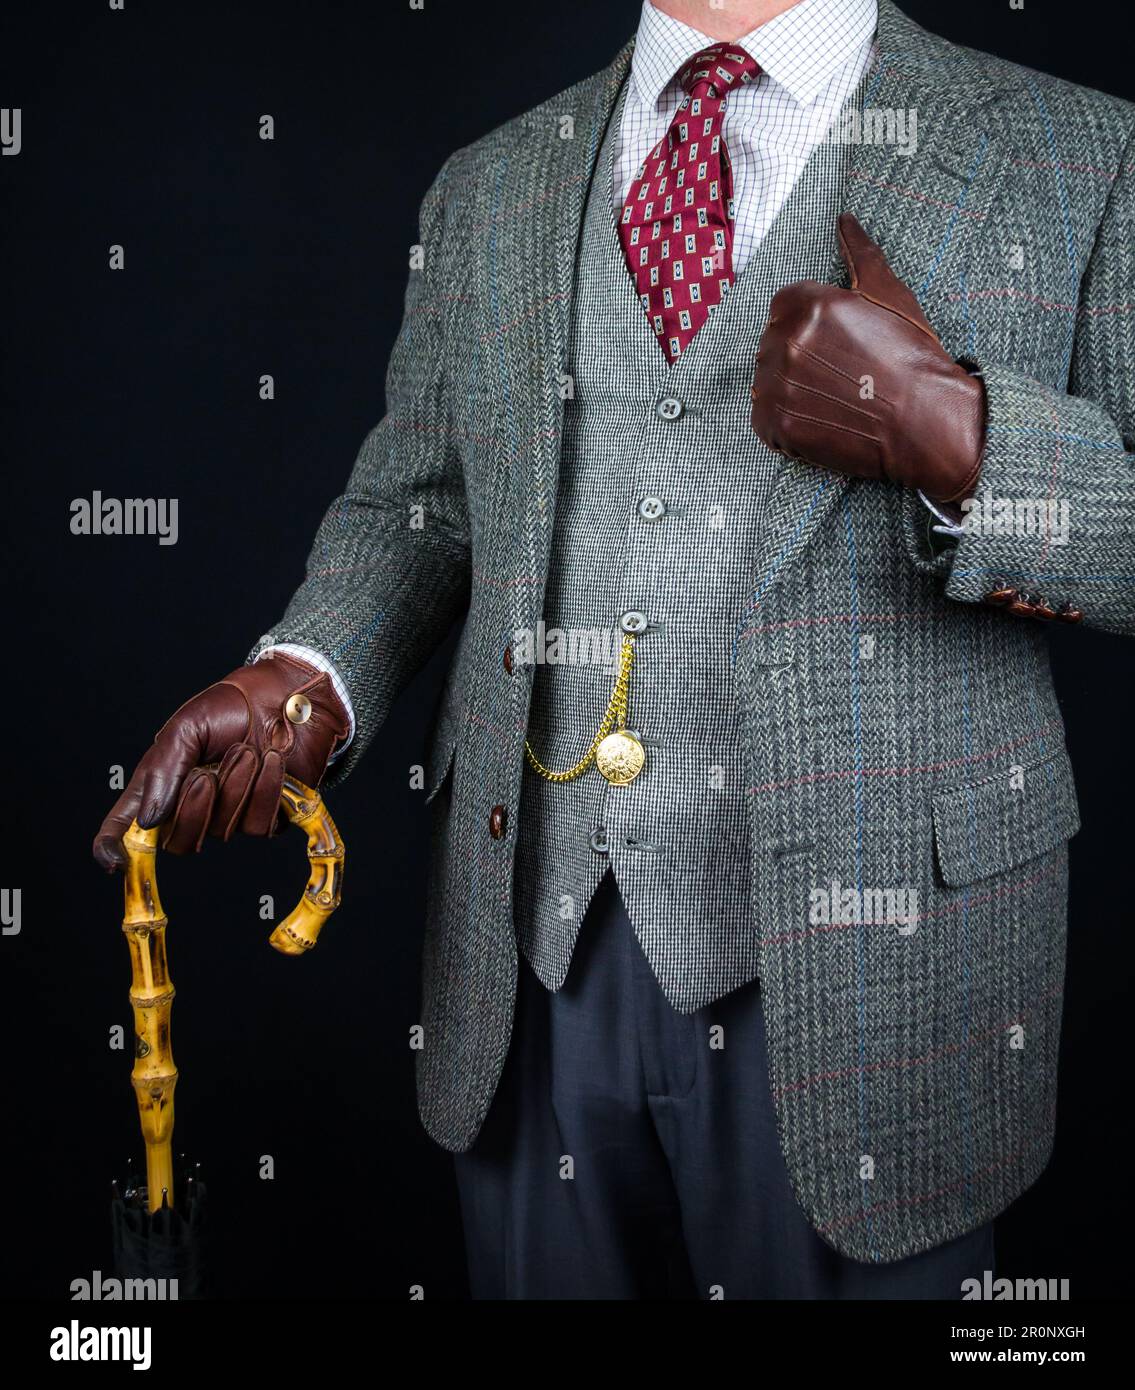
(170, 1244)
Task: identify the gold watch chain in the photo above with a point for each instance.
(615, 717)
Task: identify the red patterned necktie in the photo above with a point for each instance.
(677, 223)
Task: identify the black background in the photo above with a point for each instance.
(245, 257)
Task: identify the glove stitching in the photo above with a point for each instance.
(828, 424)
(807, 352)
(815, 390)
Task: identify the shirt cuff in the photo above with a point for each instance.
(948, 526)
(321, 663)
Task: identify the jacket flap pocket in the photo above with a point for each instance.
(985, 827)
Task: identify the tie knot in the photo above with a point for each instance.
(717, 70)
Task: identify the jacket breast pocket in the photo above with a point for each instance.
(985, 827)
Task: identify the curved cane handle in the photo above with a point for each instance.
(151, 992)
(300, 929)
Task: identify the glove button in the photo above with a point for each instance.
(298, 709)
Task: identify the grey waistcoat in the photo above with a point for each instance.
(677, 838)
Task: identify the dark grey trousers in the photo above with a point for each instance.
(625, 1157)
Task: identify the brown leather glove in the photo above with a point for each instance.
(922, 423)
(241, 725)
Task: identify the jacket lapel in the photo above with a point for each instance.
(539, 202)
(926, 202)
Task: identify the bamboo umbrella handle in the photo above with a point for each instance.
(151, 993)
(300, 929)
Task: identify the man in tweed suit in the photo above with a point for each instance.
(776, 1008)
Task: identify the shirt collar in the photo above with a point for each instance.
(799, 49)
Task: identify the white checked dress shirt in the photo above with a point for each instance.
(811, 56)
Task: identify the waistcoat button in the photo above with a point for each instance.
(651, 508)
(633, 621)
(669, 407)
(498, 818)
(598, 840)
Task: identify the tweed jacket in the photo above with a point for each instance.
(898, 731)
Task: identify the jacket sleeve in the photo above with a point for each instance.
(1043, 445)
(388, 572)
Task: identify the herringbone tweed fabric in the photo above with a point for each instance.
(896, 731)
(678, 837)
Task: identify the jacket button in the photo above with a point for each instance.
(1068, 614)
(1002, 594)
(507, 659)
(498, 818)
